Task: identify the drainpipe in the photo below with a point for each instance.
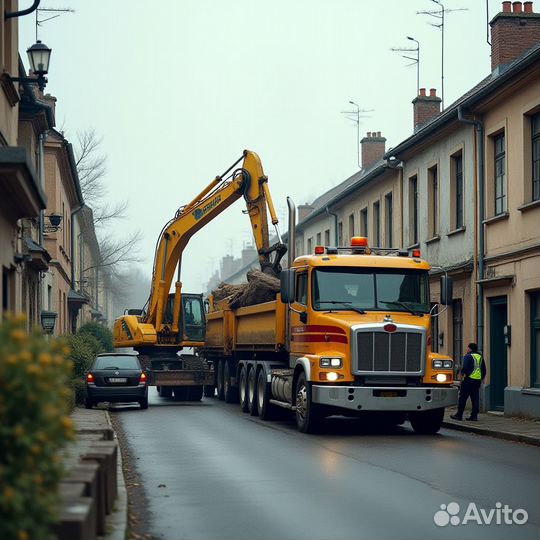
(481, 226)
(41, 178)
(336, 236)
(73, 212)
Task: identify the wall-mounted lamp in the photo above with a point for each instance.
(48, 320)
(39, 56)
(54, 220)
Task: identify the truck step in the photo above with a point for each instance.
(284, 404)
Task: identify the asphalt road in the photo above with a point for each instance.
(211, 472)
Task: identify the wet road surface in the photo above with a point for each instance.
(211, 472)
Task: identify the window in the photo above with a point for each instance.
(535, 339)
(500, 166)
(413, 210)
(456, 191)
(6, 290)
(351, 225)
(433, 193)
(310, 246)
(301, 288)
(457, 324)
(327, 237)
(535, 136)
(340, 233)
(318, 239)
(377, 223)
(117, 361)
(364, 222)
(388, 220)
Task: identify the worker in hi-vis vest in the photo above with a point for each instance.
(473, 373)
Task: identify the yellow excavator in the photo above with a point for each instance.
(173, 321)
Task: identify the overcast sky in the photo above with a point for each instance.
(179, 88)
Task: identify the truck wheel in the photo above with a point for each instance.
(194, 393)
(242, 384)
(181, 393)
(427, 422)
(165, 391)
(252, 392)
(267, 411)
(230, 393)
(210, 391)
(220, 389)
(308, 414)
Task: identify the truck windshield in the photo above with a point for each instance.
(369, 289)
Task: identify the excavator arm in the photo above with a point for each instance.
(248, 181)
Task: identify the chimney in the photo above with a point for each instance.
(425, 108)
(304, 210)
(513, 31)
(373, 148)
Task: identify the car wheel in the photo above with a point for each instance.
(252, 392)
(267, 411)
(242, 386)
(88, 403)
(308, 414)
(144, 402)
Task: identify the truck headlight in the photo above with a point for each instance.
(448, 364)
(437, 364)
(331, 362)
(441, 377)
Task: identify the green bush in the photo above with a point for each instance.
(101, 333)
(34, 424)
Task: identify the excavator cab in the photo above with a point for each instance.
(192, 317)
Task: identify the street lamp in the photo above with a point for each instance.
(39, 56)
(54, 220)
(48, 320)
(417, 63)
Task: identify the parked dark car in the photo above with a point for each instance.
(116, 377)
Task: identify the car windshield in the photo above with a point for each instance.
(117, 362)
(369, 289)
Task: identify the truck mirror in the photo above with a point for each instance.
(287, 282)
(447, 290)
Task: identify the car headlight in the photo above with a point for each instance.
(448, 364)
(331, 362)
(437, 364)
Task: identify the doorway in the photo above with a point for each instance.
(498, 351)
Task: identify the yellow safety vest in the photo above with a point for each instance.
(477, 371)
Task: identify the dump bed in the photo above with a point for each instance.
(260, 327)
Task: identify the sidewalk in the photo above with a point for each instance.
(92, 425)
(495, 425)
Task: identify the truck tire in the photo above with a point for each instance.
(181, 393)
(220, 389)
(165, 391)
(230, 392)
(243, 390)
(210, 391)
(252, 392)
(267, 411)
(194, 393)
(308, 414)
(427, 422)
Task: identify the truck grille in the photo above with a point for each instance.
(398, 352)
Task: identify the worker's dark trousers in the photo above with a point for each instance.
(470, 388)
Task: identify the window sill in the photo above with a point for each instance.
(494, 219)
(532, 391)
(529, 205)
(457, 231)
(433, 240)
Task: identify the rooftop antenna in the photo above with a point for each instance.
(415, 59)
(439, 14)
(354, 116)
(58, 11)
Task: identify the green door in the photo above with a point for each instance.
(498, 354)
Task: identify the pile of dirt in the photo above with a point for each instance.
(260, 287)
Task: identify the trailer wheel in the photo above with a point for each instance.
(194, 393)
(209, 390)
(267, 411)
(220, 389)
(252, 392)
(230, 392)
(427, 422)
(308, 414)
(242, 386)
(165, 391)
(181, 393)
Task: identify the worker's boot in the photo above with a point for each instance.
(456, 417)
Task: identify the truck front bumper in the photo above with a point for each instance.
(362, 398)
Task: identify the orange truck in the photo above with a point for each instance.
(349, 334)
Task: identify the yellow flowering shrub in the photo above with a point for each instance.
(35, 402)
